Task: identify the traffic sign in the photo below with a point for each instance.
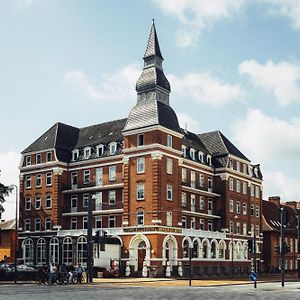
(253, 276)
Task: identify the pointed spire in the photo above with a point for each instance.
(153, 45)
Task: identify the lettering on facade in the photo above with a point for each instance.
(157, 229)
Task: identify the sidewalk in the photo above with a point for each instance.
(195, 282)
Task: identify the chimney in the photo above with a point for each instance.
(275, 199)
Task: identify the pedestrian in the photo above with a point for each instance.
(52, 271)
(79, 271)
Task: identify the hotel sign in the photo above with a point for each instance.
(151, 229)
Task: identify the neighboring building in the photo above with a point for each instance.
(271, 233)
(160, 189)
(7, 241)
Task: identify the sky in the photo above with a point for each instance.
(233, 66)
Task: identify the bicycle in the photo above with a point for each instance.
(75, 278)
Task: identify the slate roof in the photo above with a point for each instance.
(153, 45)
(192, 140)
(271, 216)
(151, 112)
(64, 138)
(150, 78)
(8, 225)
(218, 145)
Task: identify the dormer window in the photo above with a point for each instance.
(193, 154)
(112, 148)
(238, 166)
(200, 156)
(86, 152)
(183, 150)
(100, 150)
(140, 139)
(38, 158)
(230, 164)
(49, 156)
(75, 154)
(28, 160)
(208, 159)
(169, 141)
(245, 169)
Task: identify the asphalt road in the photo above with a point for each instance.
(115, 291)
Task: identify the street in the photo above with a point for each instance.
(127, 292)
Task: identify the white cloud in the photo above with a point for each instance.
(285, 8)
(281, 79)
(115, 87)
(267, 139)
(196, 15)
(279, 184)
(187, 121)
(9, 163)
(205, 88)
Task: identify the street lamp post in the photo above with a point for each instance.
(232, 246)
(16, 233)
(90, 239)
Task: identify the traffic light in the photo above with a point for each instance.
(286, 248)
(100, 237)
(250, 246)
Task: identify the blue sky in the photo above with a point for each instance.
(233, 65)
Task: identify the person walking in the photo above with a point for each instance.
(79, 271)
(52, 271)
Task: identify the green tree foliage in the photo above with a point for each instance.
(4, 191)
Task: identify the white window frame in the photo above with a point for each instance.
(193, 223)
(169, 191)
(169, 163)
(99, 150)
(48, 176)
(140, 218)
(112, 148)
(140, 188)
(244, 209)
(238, 186)
(27, 225)
(73, 223)
(201, 156)
(75, 154)
(140, 165)
(37, 199)
(86, 176)
(208, 159)
(201, 180)
(85, 200)
(231, 184)
(231, 205)
(252, 190)
(210, 226)
(112, 218)
(183, 175)
(37, 223)
(49, 156)
(38, 180)
(245, 187)
(238, 207)
(257, 192)
(193, 153)
(98, 219)
(183, 199)
(169, 141)
(183, 148)
(48, 222)
(28, 181)
(26, 202)
(85, 223)
(38, 158)
(202, 224)
(193, 179)
(28, 160)
(201, 203)
(112, 197)
(183, 221)
(257, 211)
(48, 196)
(112, 171)
(87, 152)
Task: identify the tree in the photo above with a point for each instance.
(4, 191)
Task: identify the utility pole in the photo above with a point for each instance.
(282, 246)
(298, 258)
(254, 256)
(90, 241)
(191, 250)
